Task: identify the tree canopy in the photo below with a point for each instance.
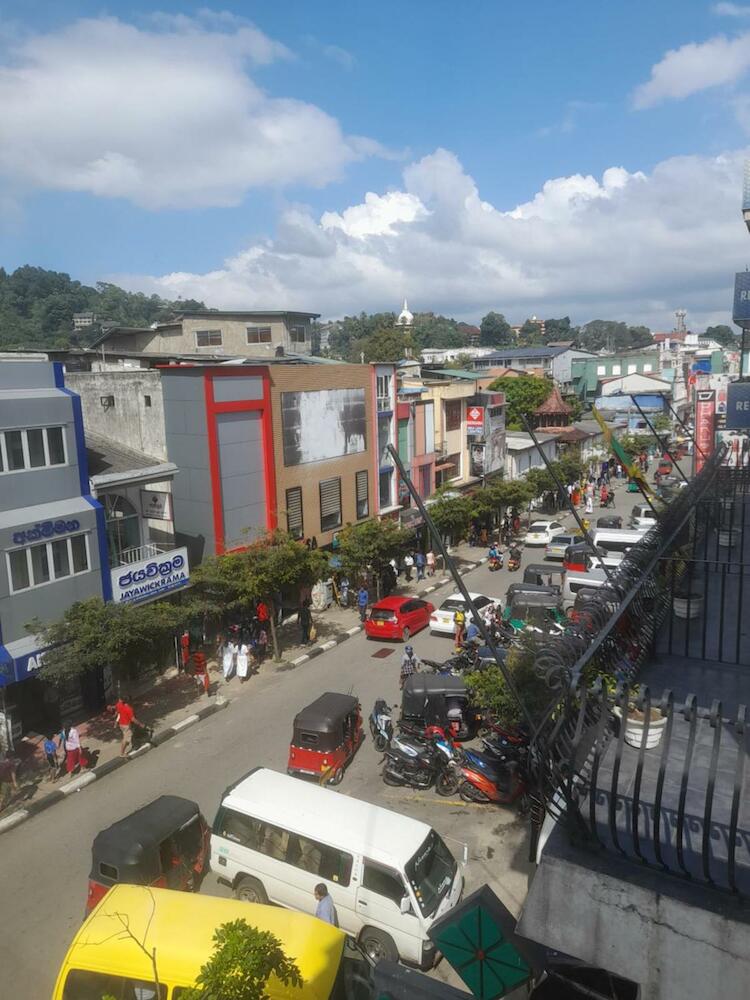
(612, 335)
(523, 395)
(723, 335)
(371, 544)
(495, 331)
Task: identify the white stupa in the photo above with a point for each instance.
(405, 318)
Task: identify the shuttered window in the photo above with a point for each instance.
(363, 500)
(330, 504)
(294, 512)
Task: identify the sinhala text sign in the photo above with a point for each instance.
(149, 578)
(738, 406)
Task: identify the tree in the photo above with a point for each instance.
(128, 638)
(559, 329)
(243, 961)
(723, 335)
(575, 405)
(490, 691)
(273, 563)
(451, 516)
(662, 422)
(634, 444)
(372, 545)
(494, 330)
(387, 345)
(523, 395)
(607, 334)
(530, 334)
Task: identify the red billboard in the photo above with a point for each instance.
(705, 417)
(474, 420)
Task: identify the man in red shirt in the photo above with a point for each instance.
(124, 718)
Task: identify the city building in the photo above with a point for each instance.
(82, 320)
(405, 318)
(416, 449)
(522, 454)
(385, 405)
(439, 356)
(255, 334)
(621, 396)
(555, 362)
(52, 538)
(587, 373)
(554, 412)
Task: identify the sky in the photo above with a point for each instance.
(550, 159)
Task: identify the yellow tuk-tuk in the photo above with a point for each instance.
(106, 957)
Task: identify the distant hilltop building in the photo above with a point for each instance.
(83, 319)
(405, 318)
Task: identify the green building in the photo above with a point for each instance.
(587, 373)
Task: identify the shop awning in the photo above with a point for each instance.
(20, 660)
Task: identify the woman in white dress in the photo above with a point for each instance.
(227, 661)
(242, 662)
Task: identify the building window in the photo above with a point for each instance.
(330, 504)
(37, 448)
(632, 368)
(616, 369)
(453, 415)
(297, 334)
(647, 368)
(384, 488)
(49, 561)
(294, 521)
(147, 401)
(363, 497)
(425, 480)
(123, 525)
(601, 369)
(259, 335)
(383, 392)
(208, 338)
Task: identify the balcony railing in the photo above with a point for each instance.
(140, 552)
(384, 403)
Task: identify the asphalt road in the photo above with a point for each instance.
(44, 863)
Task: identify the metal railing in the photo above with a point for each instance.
(140, 552)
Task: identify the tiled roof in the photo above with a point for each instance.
(554, 404)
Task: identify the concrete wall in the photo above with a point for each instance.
(130, 421)
(181, 338)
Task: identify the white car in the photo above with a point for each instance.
(443, 619)
(542, 532)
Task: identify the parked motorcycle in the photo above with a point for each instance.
(381, 725)
(504, 785)
(415, 764)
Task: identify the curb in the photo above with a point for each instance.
(37, 806)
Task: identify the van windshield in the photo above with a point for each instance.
(431, 873)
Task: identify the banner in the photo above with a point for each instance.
(738, 406)
(705, 415)
(630, 466)
(475, 421)
(150, 578)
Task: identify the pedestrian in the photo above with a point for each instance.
(459, 622)
(304, 617)
(228, 656)
(184, 649)
(200, 668)
(420, 562)
(124, 719)
(313, 542)
(410, 664)
(7, 777)
(363, 599)
(72, 745)
(243, 660)
(261, 646)
(590, 504)
(394, 566)
(619, 471)
(262, 613)
(344, 590)
(50, 752)
(325, 910)
(430, 562)
(603, 496)
(408, 566)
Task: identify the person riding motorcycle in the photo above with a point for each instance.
(514, 557)
(495, 557)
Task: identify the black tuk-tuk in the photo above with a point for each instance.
(327, 734)
(538, 609)
(613, 521)
(164, 844)
(544, 575)
(439, 700)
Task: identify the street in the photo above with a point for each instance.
(45, 861)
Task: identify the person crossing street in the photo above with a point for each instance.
(410, 664)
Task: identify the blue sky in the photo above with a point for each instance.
(228, 153)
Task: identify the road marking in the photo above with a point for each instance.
(300, 659)
(13, 820)
(327, 645)
(141, 750)
(184, 723)
(354, 631)
(78, 783)
(446, 579)
(429, 590)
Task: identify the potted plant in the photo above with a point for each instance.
(687, 601)
(635, 723)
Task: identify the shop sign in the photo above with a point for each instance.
(150, 578)
(705, 409)
(475, 421)
(43, 530)
(741, 310)
(156, 505)
(738, 405)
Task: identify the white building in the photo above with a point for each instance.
(521, 453)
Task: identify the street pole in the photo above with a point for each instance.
(651, 428)
(682, 424)
(458, 579)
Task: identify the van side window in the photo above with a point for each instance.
(384, 882)
(243, 830)
(81, 984)
(319, 859)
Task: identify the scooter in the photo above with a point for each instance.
(381, 725)
(504, 786)
(514, 560)
(495, 563)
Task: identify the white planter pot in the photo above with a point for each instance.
(688, 609)
(636, 728)
(728, 537)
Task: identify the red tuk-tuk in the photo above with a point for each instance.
(165, 844)
(326, 736)
(664, 467)
(577, 558)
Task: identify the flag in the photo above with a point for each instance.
(629, 464)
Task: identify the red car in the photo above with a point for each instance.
(398, 618)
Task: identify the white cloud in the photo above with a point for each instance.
(163, 115)
(695, 67)
(339, 55)
(627, 245)
(731, 10)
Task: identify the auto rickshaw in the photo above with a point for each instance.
(612, 521)
(664, 467)
(577, 557)
(165, 843)
(326, 736)
(538, 610)
(632, 486)
(544, 575)
(439, 700)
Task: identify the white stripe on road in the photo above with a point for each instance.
(78, 783)
(13, 820)
(446, 579)
(469, 567)
(354, 631)
(429, 590)
(184, 723)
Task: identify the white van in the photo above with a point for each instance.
(276, 837)
(575, 581)
(615, 542)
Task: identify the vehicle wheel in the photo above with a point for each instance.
(471, 794)
(337, 777)
(405, 634)
(447, 783)
(250, 890)
(377, 945)
(380, 743)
